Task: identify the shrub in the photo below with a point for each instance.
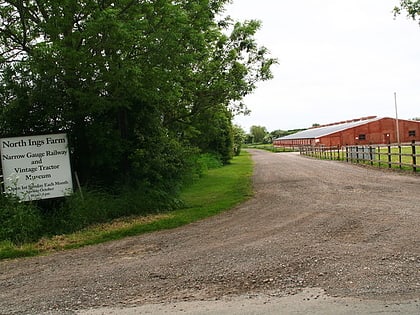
(208, 161)
(20, 222)
(100, 206)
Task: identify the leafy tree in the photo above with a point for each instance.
(411, 7)
(278, 133)
(138, 86)
(214, 132)
(227, 72)
(239, 137)
(282, 133)
(258, 133)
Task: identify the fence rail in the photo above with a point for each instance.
(402, 156)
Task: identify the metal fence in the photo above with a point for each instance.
(402, 156)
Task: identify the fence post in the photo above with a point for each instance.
(357, 154)
(389, 157)
(399, 155)
(413, 151)
(371, 154)
(347, 154)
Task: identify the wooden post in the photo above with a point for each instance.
(413, 151)
(78, 185)
(399, 155)
(357, 154)
(389, 156)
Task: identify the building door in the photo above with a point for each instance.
(387, 138)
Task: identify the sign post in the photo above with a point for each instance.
(36, 167)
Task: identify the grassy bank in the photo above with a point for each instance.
(219, 190)
(268, 147)
(382, 157)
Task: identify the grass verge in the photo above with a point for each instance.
(219, 190)
(268, 147)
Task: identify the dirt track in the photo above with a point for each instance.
(351, 231)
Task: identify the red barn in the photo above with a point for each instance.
(362, 131)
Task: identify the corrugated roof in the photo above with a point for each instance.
(326, 130)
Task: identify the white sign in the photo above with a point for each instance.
(36, 167)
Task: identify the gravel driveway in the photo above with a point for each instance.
(327, 230)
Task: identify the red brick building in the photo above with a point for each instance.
(363, 131)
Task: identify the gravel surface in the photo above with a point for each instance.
(347, 230)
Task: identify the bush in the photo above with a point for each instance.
(20, 222)
(156, 190)
(208, 161)
(99, 206)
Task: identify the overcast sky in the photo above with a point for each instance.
(338, 60)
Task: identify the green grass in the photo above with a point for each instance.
(380, 156)
(267, 147)
(219, 190)
(405, 158)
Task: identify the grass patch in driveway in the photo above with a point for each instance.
(219, 190)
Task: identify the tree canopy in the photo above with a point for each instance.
(412, 8)
(138, 86)
(258, 133)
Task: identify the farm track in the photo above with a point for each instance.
(348, 230)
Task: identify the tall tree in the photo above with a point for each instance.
(129, 81)
(239, 137)
(214, 132)
(258, 133)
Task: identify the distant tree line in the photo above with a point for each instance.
(259, 134)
